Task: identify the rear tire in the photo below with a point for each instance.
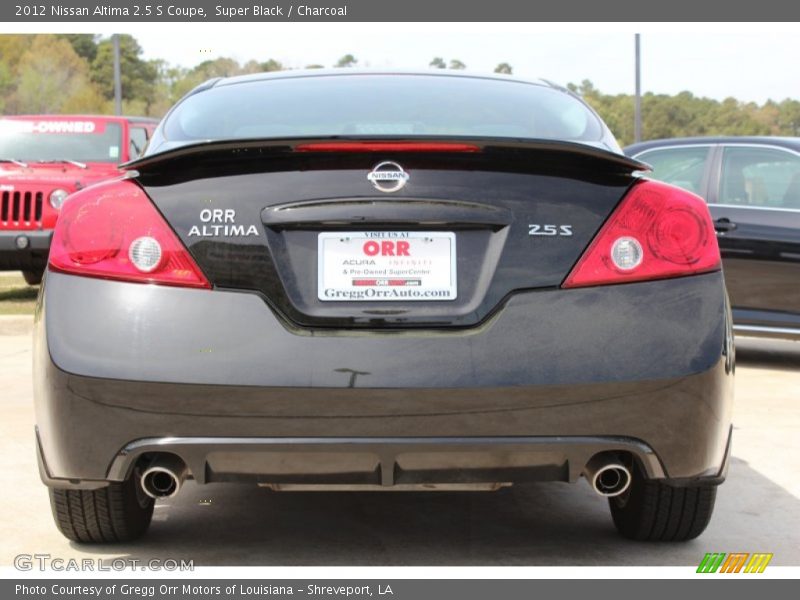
(33, 277)
(654, 511)
(119, 512)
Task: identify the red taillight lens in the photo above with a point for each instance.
(100, 233)
(658, 231)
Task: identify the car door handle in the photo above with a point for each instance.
(723, 226)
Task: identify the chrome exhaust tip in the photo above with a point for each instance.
(164, 477)
(607, 476)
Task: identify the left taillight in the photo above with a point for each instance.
(113, 231)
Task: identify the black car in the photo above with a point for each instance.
(752, 186)
(383, 281)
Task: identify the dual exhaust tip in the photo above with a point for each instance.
(607, 475)
(164, 477)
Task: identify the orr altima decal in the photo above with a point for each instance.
(218, 222)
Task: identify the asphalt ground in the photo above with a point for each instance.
(758, 508)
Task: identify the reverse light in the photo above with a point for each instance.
(657, 231)
(57, 198)
(113, 231)
(145, 254)
(626, 253)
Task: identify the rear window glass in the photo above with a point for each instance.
(375, 105)
(45, 139)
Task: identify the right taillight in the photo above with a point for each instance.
(113, 231)
(657, 231)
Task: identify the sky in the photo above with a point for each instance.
(748, 61)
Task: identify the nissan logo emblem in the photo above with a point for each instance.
(388, 176)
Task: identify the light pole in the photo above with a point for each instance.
(637, 107)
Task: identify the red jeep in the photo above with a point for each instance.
(43, 159)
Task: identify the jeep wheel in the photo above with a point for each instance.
(33, 277)
(654, 511)
(119, 512)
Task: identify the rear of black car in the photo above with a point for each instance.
(384, 281)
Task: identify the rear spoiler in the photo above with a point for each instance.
(248, 148)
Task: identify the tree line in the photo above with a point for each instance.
(684, 114)
(73, 73)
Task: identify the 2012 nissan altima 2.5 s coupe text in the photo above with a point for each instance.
(360, 280)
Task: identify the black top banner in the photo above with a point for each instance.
(72, 11)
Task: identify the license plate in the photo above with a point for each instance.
(400, 266)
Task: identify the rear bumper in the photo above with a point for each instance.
(32, 256)
(383, 462)
(124, 370)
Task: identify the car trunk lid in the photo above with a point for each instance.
(501, 215)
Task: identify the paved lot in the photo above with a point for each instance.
(758, 509)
